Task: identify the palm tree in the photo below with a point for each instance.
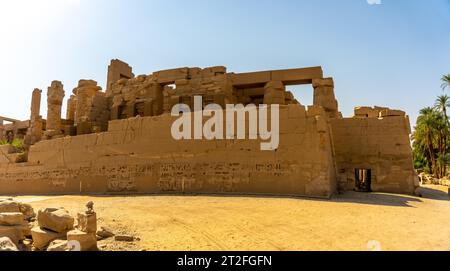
(442, 103)
(445, 81)
(431, 135)
(425, 136)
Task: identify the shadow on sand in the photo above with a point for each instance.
(348, 197)
(381, 199)
(377, 199)
(436, 194)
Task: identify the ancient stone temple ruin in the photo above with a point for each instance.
(119, 140)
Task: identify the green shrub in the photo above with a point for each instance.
(17, 143)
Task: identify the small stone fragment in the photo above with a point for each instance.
(58, 245)
(124, 238)
(7, 245)
(87, 241)
(105, 233)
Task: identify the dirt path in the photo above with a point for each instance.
(347, 222)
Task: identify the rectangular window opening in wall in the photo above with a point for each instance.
(363, 179)
(304, 94)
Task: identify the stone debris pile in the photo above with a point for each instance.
(53, 224)
(53, 229)
(15, 224)
(85, 232)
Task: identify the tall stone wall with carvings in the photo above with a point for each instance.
(378, 142)
(139, 155)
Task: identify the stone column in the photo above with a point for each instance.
(34, 132)
(324, 96)
(36, 104)
(156, 94)
(71, 106)
(117, 70)
(275, 93)
(85, 93)
(55, 96)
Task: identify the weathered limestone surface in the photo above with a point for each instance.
(379, 144)
(120, 141)
(87, 241)
(324, 96)
(7, 245)
(55, 219)
(71, 108)
(55, 96)
(42, 237)
(9, 206)
(11, 219)
(35, 131)
(139, 155)
(117, 70)
(87, 222)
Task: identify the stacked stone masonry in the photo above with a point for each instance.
(120, 141)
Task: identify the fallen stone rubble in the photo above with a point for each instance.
(52, 229)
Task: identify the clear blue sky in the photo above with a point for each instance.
(391, 54)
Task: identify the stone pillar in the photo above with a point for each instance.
(55, 96)
(85, 93)
(117, 70)
(275, 93)
(89, 105)
(71, 106)
(156, 94)
(34, 132)
(324, 96)
(36, 104)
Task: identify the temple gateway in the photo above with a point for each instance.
(119, 140)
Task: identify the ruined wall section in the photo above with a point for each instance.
(138, 155)
(117, 70)
(379, 144)
(213, 84)
(89, 107)
(155, 94)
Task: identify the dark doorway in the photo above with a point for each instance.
(363, 178)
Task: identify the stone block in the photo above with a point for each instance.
(323, 82)
(87, 241)
(170, 76)
(392, 113)
(9, 206)
(314, 110)
(250, 78)
(11, 219)
(55, 219)
(87, 222)
(42, 237)
(297, 76)
(27, 210)
(84, 128)
(15, 233)
(296, 111)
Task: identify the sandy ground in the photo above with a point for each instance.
(347, 222)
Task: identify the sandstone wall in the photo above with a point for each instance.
(379, 144)
(138, 155)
